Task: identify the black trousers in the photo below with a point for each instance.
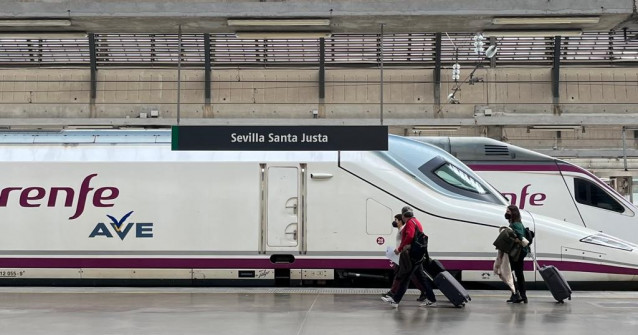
(517, 268)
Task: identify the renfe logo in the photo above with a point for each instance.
(142, 230)
(535, 199)
(32, 196)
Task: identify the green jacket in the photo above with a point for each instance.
(519, 229)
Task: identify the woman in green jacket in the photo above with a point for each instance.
(513, 215)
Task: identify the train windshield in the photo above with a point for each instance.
(456, 177)
(439, 170)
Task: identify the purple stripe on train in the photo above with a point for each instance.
(264, 263)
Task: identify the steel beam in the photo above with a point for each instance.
(93, 61)
(513, 120)
(207, 70)
(437, 70)
(556, 75)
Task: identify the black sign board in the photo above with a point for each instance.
(280, 138)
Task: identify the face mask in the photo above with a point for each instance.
(394, 224)
(508, 216)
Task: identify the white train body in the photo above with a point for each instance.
(546, 185)
(122, 205)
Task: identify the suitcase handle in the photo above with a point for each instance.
(538, 267)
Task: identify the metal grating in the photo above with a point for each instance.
(496, 150)
(226, 49)
(366, 48)
(525, 50)
(29, 52)
(149, 50)
(599, 48)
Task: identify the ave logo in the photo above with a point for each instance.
(122, 229)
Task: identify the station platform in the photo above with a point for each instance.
(308, 311)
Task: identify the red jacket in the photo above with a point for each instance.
(407, 234)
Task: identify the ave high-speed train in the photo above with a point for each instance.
(545, 185)
(86, 207)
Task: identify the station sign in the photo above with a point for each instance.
(280, 138)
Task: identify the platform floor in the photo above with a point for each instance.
(308, 311)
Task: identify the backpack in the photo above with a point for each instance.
(419, 246)
(529, 235)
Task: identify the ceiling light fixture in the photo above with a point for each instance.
(250, 35)
(531, 33)
(547, 20)
(277, 22)
(436, 128)
(36, 23)
(555, 128)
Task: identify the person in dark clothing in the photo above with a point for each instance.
(399, 224)
(513, 215)
(407, 266)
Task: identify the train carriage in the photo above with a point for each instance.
(113, 206)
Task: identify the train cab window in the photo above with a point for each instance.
(588, 193)
(454, 180)
(455, 177)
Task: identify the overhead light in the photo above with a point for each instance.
(547, 20)
(42, 35)
(436, 128)
(277, 22)
(36, 23)
(532, 33)
(88, 127)
(555, 128)
(281, 35)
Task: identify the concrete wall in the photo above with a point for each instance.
(294, 93)
(44, 93)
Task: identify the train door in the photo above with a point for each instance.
(282, 225)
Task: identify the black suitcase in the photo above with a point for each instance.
(452, 289)
(433, 267)
(556, 283)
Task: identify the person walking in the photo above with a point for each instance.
(513, 216)
(408, 266)
(399, 224)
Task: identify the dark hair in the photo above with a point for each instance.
(399, 216)
(516, 214)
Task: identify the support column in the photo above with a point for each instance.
(321, 111)
(437, 72)
(93, 63)
(556, 76)
(208, 108)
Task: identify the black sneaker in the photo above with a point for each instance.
(421, 298)
(387, 294)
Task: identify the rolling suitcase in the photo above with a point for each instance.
(452, 289)
(433, 267)
(555, 281)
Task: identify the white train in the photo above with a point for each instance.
(118, 206)
(545, 185)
